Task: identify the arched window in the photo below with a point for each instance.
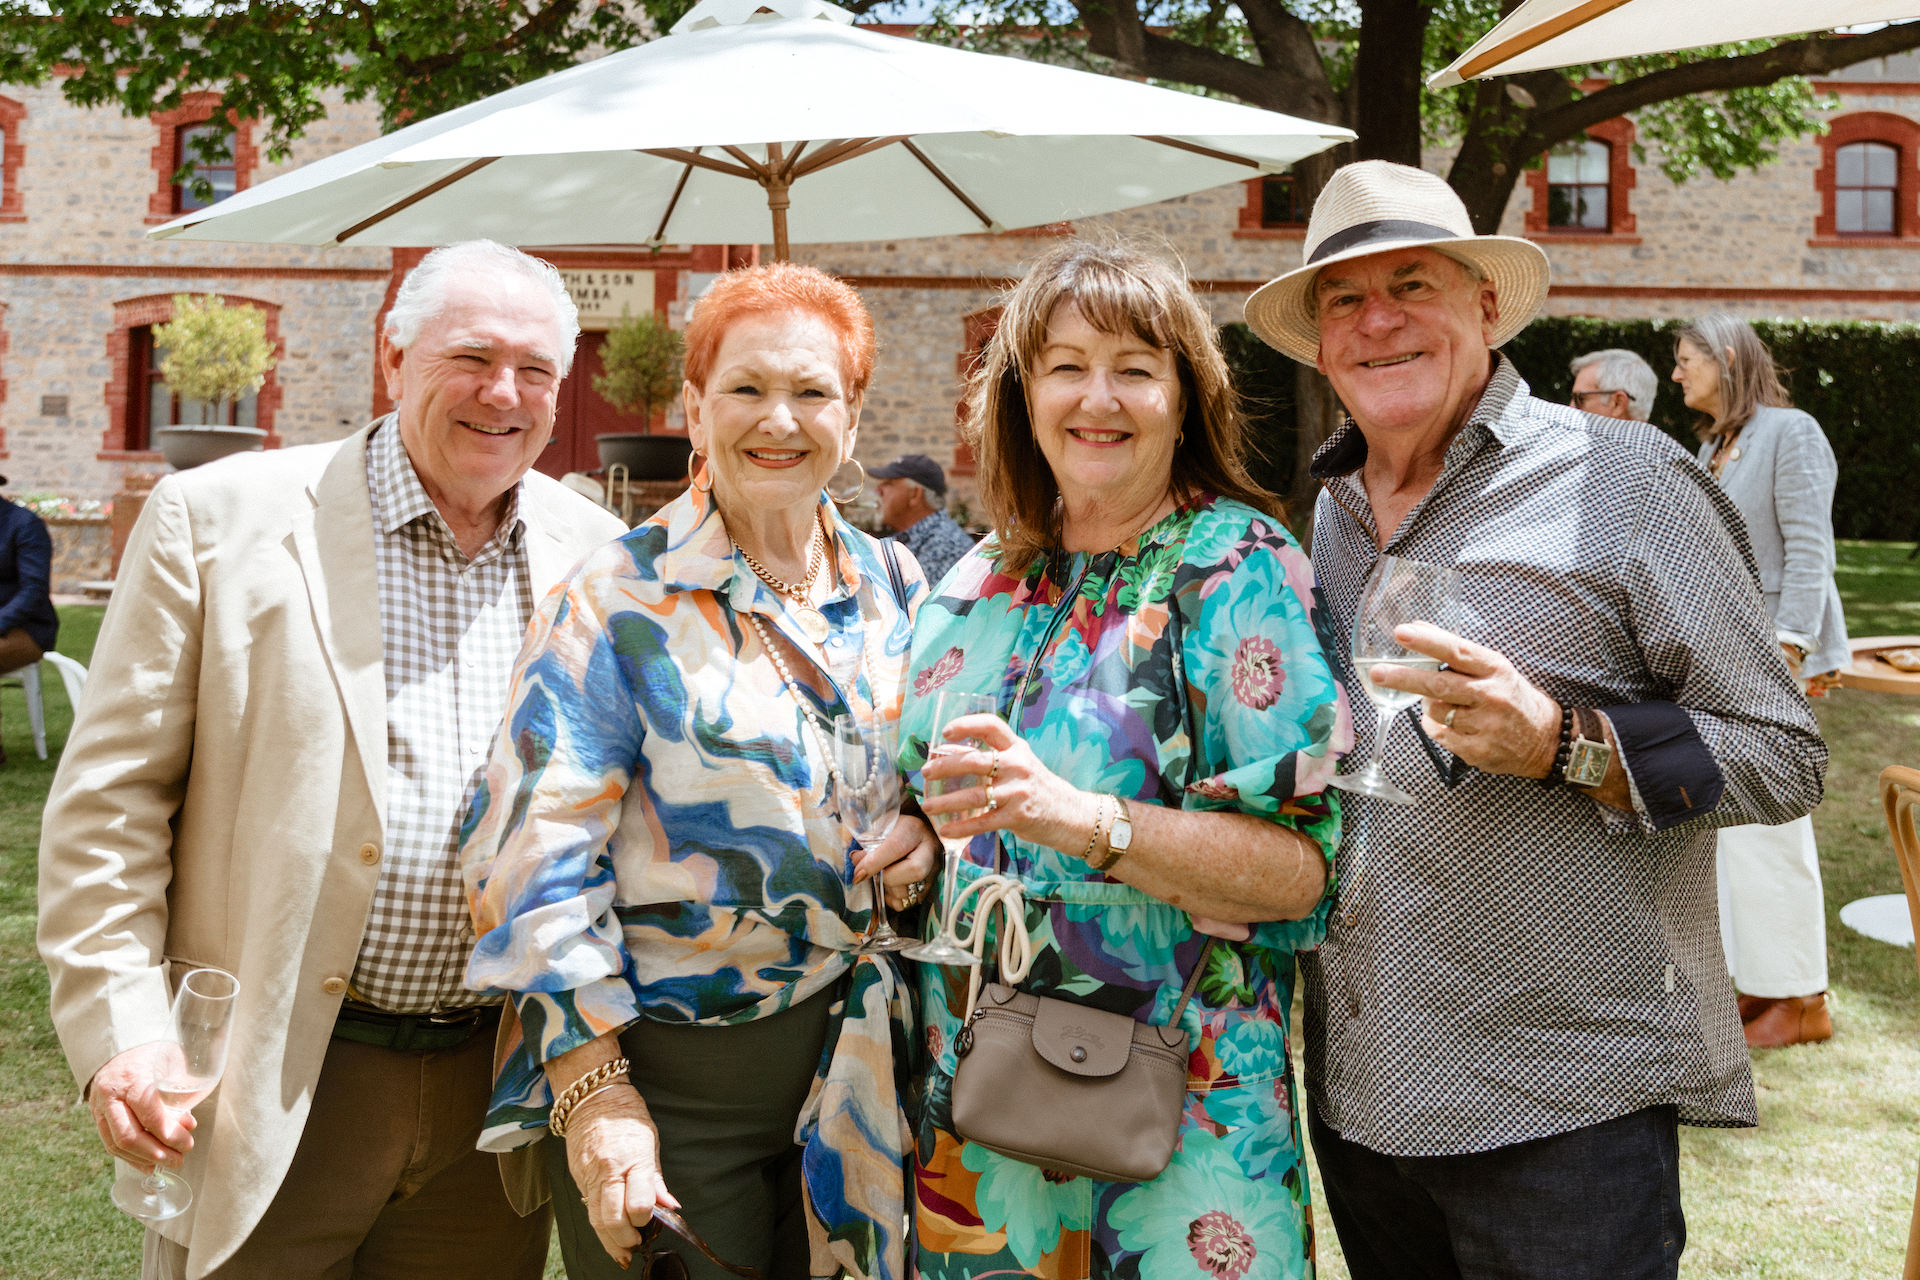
(1867, 182)
(195, 143)
(1579, 185)
(1866, 189)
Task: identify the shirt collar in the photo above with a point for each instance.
(1345, 451)
(398, 496)
(698, 555)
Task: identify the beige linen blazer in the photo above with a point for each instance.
(222, 796)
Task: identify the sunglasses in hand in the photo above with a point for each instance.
(657, 1263)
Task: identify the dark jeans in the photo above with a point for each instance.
(1601, 1203)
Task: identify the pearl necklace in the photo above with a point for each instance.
(810, 620)
(806, 711)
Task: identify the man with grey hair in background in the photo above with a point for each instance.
(1614, 383)
(308, 653)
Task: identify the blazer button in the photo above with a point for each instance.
(334, 986)
(369, 854)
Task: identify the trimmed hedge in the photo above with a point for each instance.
(1859, 379)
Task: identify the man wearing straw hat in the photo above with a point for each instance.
(1522, 991)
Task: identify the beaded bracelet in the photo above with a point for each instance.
(577, 1092)
(1557, 771)
(1099, 814)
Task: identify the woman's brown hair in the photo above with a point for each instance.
(1749, 382)
(1120, 291)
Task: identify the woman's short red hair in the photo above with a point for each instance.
(779, 287)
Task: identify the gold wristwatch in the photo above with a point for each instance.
(1119, 836)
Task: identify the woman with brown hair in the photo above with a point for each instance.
(1777, 467)
(1151, 636)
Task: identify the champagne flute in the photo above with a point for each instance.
(868, 797)
(187, 1066)
(949, 706)
(1400, 591)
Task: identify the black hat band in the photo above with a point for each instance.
(1374, 232)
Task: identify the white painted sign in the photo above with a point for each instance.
(602, 295)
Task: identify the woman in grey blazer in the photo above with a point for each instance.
(1776, 465)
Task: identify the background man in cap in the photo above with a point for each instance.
(913, 492)
(1522, 990)
(1614, 383)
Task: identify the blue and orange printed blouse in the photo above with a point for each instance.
(1188, 670)
(653, 839)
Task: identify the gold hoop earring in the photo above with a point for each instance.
(706, 466)
(857, 492)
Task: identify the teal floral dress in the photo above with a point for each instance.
(1187, 671)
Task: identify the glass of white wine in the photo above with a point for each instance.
(868, 797)
(187, 1066)
(948, 707)
(1400, 591)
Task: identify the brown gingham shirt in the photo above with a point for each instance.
(451, 629)
(1514, 961)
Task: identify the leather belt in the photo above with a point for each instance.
(413, 1031)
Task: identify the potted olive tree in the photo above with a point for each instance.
(215, 355)
(642, 358)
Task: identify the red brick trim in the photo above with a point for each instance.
(13, 154)
(157, 308)
(1618, 133)
(1870, 126)
(194, 108)
(1588, 237)
(141, 270)
(3, 369)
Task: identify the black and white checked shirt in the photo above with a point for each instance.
(1516, 961)
(451, 629)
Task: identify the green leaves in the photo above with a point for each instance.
(214, 352)
(642, 361)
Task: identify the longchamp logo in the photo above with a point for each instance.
(1081, 1033)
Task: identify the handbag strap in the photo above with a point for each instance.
(890, 552)
(1174, 639)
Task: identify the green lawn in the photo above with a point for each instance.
(1823, 1188)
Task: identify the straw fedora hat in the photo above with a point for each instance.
(1376, 206)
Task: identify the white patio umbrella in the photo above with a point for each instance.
(745, 121)
(1542, 34)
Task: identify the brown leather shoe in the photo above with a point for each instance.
(1752, 1007)
(1794, 1020)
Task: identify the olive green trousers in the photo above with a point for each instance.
(725, 1100)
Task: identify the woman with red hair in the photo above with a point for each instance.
(658, 873)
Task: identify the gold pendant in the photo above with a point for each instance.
(813, 623)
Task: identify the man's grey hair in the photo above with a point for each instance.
(1623, 371)
(423, 294)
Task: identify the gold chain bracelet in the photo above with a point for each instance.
(577, 1092)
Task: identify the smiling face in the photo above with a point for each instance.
(1106, 410)
(476, 390)
(1404, 338)
(1699, 377)
(775, 419)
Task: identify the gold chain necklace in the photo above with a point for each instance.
(810, 620)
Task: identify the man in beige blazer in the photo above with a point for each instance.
(288, 702)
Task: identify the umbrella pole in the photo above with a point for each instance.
(777, 204)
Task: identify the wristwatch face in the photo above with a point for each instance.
(1587, 763)
(1120, 837)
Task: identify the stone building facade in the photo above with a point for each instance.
(80, 285)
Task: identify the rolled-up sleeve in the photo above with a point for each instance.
(1693, 601)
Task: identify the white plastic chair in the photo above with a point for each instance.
(72, 675)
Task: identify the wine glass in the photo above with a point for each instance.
(868, 797)
(949, 706)
(1400, 591)
(187, 1066)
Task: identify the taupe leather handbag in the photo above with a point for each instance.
(1070, 1088)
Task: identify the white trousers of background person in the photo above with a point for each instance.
(1773, 914)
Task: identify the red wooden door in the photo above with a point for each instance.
(581, 414)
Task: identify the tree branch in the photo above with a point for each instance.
(1808, 57)
(1285, 44)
